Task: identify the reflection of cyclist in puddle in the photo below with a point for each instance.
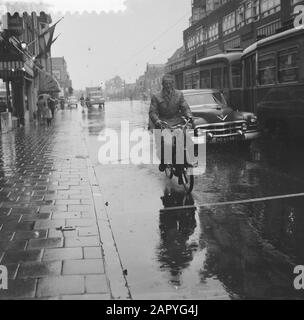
(176, 227)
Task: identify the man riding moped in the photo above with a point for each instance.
(169, 109)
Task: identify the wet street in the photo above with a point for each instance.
(71, 227)
(238, 250)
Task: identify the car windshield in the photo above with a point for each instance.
(209, 98)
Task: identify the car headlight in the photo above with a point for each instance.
(244, 126)
(253, 120)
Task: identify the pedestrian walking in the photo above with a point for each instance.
(40, 108)
(49, 116)
(52, 106)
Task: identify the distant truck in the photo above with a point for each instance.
(95, 97)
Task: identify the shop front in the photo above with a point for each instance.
(17, 72)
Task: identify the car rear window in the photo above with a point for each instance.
(205, 98)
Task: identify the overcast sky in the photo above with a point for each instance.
(100, 46)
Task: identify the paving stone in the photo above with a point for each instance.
(5, 211)
(62, 234)
(62, 254)
(77, 267)
(67, 202)
(45, 243)
(80, 208)
(27, 235)
(82, 242)
(92, 253)
(12, 269)
(6, 235)
(21, 226)
(19, 288)
(40, 216)
(13, 256)
(81, 222)
(91, 231)
(24, 210)
(66, 215)
(63, 285)
(96, 284)
(89, 297)
(40, 269)
(48, 209)
(12, 245)
(49, 224)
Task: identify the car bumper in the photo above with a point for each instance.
(247, 136)
(251, 135)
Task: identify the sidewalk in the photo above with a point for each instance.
(45, 187)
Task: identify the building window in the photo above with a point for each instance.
(269, 7)
(269, 29)
(229, 23)
(267, 69)
(236, 71)
(192, 80)
(226, 77)
(213, 32)
(240, 17)
(216, 78)
(252, 11)
(288, 66)
(205, 79)
(232, 43)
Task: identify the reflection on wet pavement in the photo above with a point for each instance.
(220, 252)
(176, 228)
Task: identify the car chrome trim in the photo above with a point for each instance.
(219, 124)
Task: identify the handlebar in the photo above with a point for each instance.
(180, 126)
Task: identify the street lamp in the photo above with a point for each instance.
(23, 45)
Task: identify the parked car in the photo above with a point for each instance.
(72, 102)
(222, 124)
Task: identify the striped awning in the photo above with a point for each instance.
(11, 69)
(11, 65)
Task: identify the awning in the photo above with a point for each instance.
(47, 83)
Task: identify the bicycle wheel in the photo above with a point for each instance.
(169, 172)
(188, 180)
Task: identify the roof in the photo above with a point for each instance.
(230, 57)
(276, 37)
(177, 54)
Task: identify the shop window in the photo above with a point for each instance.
(192, 80)
(288, 67)
(267, 69)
